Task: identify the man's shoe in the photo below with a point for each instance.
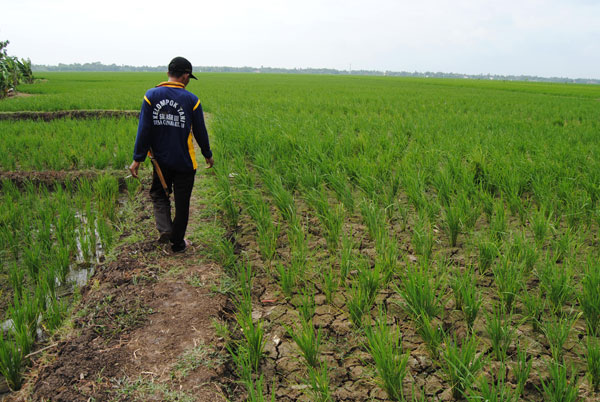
(181, 249)
(164, 238)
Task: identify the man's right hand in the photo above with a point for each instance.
(210, 162)
(134, 168)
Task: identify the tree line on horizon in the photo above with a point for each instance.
(100, 67)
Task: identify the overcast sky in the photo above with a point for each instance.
(544, 38)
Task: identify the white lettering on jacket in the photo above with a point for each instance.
(173, 114)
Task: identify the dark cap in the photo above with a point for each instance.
(181, 65)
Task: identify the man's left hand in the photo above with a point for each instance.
(134, 168)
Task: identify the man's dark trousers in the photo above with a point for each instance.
(181, 184)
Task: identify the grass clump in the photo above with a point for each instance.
(385, 346)
(589, 297)
(593, 362)
(500, 331)
(420, 292)
(308, 341)
(318, 380)
(461, 364)
(558, 387)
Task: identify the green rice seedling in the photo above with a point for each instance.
(414, 186)
(105, 232)
(487, 203)
(256, 390)
(541, 225)
(461, 364)
(306, 306)
(61, 255)
(24, 313)
(385, 346)
(565, 245)
(11, 362)
(106, 191)
(487, 252)
(534, 308)
(468, 297)
(16, 278)
(422, 238)
(308, 341)
(337, 182)
(501, 332)
(457, 282)
(589, 297)
(253, 336)
(297, 239)
(453, 222)
(283, 198)
(223, 251)
(331, 218)
(432, 335)
(267, 231)
(334, 221)
(371, 186)
(386, 260)
(521, 370)
(241, 360)
(498, 224)
(288, 278)
(133, 186)
(593, 362)
(469, 211)
(244, 177)
(404, 214)
(32, 258)
(318, 380)
(370, 279)
(55, 312)
(267, 241)
(331, 282)
(557, 332)
(243, 298)
(559, 388)
(419, 292)
(226, 198)
(498, 391)
(520, 249)
(556, 282)
(443, 183)
(359, 303)
(509, 280)
(310, 177)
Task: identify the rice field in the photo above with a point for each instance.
(387, 238)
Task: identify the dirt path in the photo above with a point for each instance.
(145, 327)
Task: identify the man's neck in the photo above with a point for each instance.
(179, 80)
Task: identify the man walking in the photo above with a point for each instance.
(169, 116)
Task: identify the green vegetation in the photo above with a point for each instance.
(344, 196)
(12, 71)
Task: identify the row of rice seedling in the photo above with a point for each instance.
(47, 240)
(474, 197)
(67, 144)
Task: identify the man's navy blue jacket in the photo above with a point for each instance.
(169, 116)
